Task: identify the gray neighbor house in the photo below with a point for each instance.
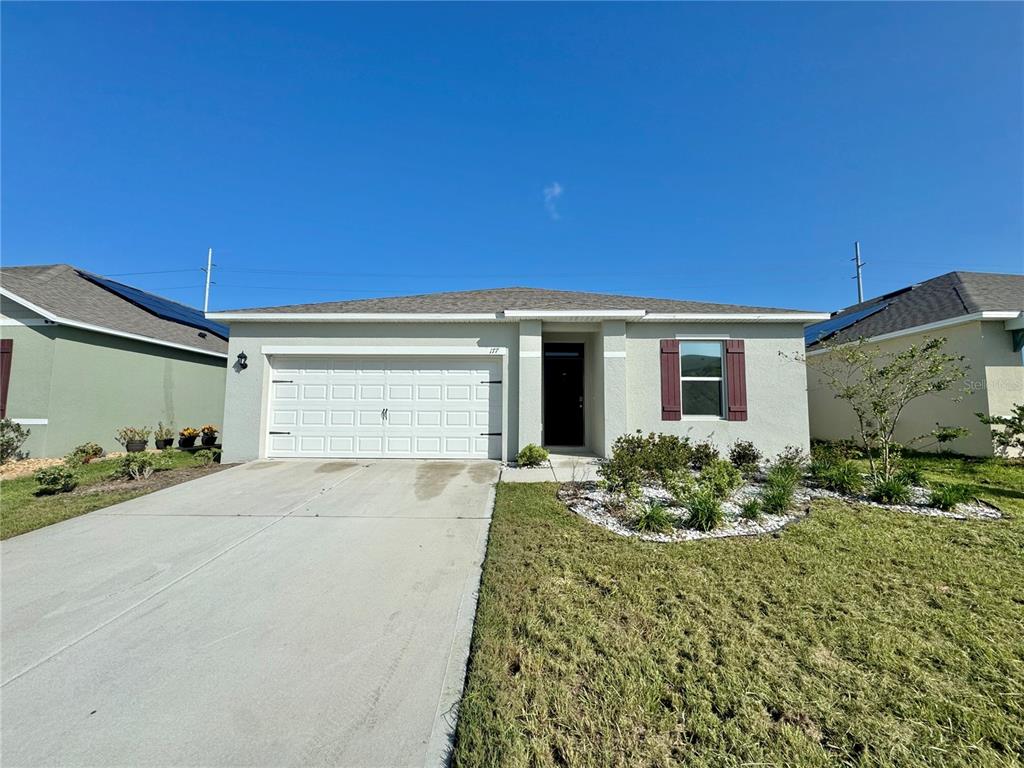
(82, 355)
(480, 374)
(980, 314)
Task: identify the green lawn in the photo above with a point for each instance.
(855, 637)
(22, 511)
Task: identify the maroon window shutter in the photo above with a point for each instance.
(6, 352)
(736, 380)
(671, 407)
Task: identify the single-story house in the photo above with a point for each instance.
(981, 315)
(82, 355)
(479, 374)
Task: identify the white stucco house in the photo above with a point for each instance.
(479, 374)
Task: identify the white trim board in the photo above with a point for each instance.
(379, 351)
(102, 329)
(513, 315)
(31, 422)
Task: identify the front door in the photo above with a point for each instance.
(563, 394)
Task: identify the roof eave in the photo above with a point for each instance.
(514, 315)
(58, 320)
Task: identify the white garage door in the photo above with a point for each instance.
(406, 407)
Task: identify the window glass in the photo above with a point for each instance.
(702, 398)
(700, 358)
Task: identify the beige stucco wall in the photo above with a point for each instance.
(87, 385)
(246, 391)
(995, 380)
(776, 384)
(622, 376)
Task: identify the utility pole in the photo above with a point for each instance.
(857, 277)
(208, 270)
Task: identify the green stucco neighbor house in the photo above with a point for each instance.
(81, 355)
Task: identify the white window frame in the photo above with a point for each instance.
(723, 403)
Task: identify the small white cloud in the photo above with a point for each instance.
(552, 192)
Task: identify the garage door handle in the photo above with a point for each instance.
(279, 433)
(384, 414)
(491, 382)
(281, 381)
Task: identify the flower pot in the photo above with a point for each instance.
(209, 439)
(135, 446)
(164, 443)
(186, 442)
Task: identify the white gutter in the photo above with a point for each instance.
(638, 315)
(1014, 321)
(58, 320)
(757, 317)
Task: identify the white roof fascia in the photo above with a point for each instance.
(103, 329)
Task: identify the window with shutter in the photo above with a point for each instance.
(736, 375)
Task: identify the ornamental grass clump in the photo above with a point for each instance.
(911, 473)
(751, 509)
(948, 495)
(889, 491)
(842, 476)
(705, 510)
(654, 519)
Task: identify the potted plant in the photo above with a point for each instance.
(209, 434)
(187, 437)
(163, 435)
(134, 439)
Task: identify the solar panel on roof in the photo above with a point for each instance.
(163, 308)
(826, 328)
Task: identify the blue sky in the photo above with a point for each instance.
(719, 152)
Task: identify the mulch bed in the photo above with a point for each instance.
(156, 481)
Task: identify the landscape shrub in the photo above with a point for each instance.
(637, 460)
(1008, 436)
(137, 466)
(840, 476)
(789, 464)
(207, 457)
(705, 510)
(531, 455)
(889, 491)
(948, 495)
(84, 453)
(59, 478)
(751, 509)
(744, 456)
(12, 436)
(836, 449)
(702, 454)
(720, 478)
(654, 519)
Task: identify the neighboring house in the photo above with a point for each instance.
(479, 374)
(83, 355)
(982, 317)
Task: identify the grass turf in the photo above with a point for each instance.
(855, 637)
(22, 511)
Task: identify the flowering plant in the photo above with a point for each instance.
(189, 432)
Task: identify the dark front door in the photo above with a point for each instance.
(563, 394)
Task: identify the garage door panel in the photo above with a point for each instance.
(442, 408)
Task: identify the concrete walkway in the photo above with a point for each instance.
(559, 468)
(279, 613)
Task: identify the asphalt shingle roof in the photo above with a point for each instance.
(65, 291)
(945, 297)
(499, 299)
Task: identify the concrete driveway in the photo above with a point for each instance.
(274, 614)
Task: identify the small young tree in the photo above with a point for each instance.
(1011, 436)
(879, 385)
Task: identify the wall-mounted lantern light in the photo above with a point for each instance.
(240, 363)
